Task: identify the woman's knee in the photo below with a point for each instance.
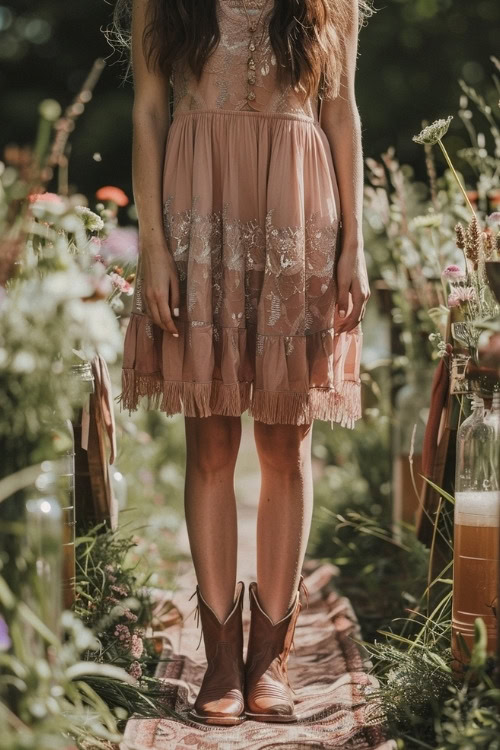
(281, 447)
(213, 442)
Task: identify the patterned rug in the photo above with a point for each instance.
(327, 668)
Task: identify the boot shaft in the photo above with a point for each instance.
(228, 633)
(267, 639)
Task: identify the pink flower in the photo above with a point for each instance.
(461, 295)
(122, 242)
(137, 646)
(494, 217)
(114, 194)
(120, 283)
(453, 273)
(123, 634)
(48, 197)
(135, 670)
(129, 615)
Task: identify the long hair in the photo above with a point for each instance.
(306, 37)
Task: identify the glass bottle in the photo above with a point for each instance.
(43, 553)
(476, 530)
(411, 412)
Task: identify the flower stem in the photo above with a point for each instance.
(448, 161)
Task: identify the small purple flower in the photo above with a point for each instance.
(453, 273)
(5, 641)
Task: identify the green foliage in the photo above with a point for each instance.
(45, 701)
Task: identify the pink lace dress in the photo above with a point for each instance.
(252, 216)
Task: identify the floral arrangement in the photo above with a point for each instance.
(416, 233)
(470, 294)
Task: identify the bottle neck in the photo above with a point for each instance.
(477, 403)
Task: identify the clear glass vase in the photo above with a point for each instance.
(411, 412)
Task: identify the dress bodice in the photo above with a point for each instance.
(224, 81)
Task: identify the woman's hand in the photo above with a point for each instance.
(160, 286)
(352, 276)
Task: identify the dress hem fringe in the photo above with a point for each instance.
(341, 405)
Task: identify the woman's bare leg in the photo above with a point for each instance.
(285, 512)
(212, 445)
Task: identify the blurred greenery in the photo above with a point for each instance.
(411, 55)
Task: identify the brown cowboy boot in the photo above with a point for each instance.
(268, 692)
(220, 699)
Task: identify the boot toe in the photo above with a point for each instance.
(229, 705)
(271, 704)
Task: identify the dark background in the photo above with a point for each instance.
(411, 55)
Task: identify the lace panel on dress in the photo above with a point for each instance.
(240, 273)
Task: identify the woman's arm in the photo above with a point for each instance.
(341, 122)
(151, 121)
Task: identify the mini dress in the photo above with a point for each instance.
(251, 215)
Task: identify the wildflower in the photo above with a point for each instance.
(120, 589)
(50, 109)
(487, 239)
(113, 194)
(4, 635)
(494, 217)
(426, 220)
(120, 283)
(122, 243)
(460, 236)
(472, 242)
(137, 646)
(46, 197)
(129, 615)
(453, 273)
(461, 295)
(434, 132)
(135, 670)
(123, 634)
(91, 221)
(109, 568)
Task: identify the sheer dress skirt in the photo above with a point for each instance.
(251, 216)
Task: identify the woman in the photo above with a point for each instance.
(247, 294)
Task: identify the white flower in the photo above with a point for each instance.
(434, 132)
(23, 362)
(91, 221)
(426, 220)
